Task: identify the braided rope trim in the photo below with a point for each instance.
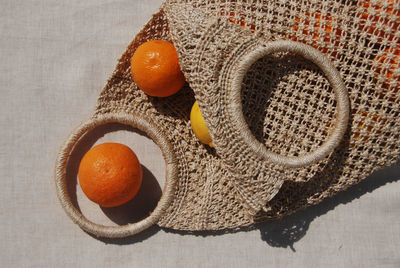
(169, 188)
(235, 104)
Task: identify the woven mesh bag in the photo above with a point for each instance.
(301, 99)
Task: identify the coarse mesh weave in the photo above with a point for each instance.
(287, 102)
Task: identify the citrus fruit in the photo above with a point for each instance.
(389, 62)
(366, 124)
(239, 20)
(378, 14)
(321, 30)
(155, 68)
(110, 174)
(390, 57)
(199, 126)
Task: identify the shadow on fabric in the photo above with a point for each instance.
(288, 230)
(276, 233)
(133, 211)
(284, 232)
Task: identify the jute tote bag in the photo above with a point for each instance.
(301, 99)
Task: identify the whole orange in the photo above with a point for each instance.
(110, 174)
(155, 68)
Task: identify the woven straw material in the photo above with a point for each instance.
(205, 197)
(287, 102)
(139, 122)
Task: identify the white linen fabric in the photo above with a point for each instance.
(55, 58)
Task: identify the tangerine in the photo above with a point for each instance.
(366, 123)
(155, 68)
(110, 174)
(378, 14)
(321, 28)
(239, 20)
(389, 62)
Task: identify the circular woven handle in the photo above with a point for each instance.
(168, 191)
(309, 53)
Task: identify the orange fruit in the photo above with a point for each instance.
(389, 62)
(239, 20)
(110, 174)
(382, 10)
(366, 124)
(320, 28)
(155, 68)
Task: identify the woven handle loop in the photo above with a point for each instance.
(171, 175)
(333, 76)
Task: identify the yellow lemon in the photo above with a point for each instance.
(199, 126)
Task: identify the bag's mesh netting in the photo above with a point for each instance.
(287, 102)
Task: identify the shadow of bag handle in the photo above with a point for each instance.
(333, 76)
(135, 121)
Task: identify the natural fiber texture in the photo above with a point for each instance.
(232, 83)
(205, 196)
(287, 101)
(158, 137)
